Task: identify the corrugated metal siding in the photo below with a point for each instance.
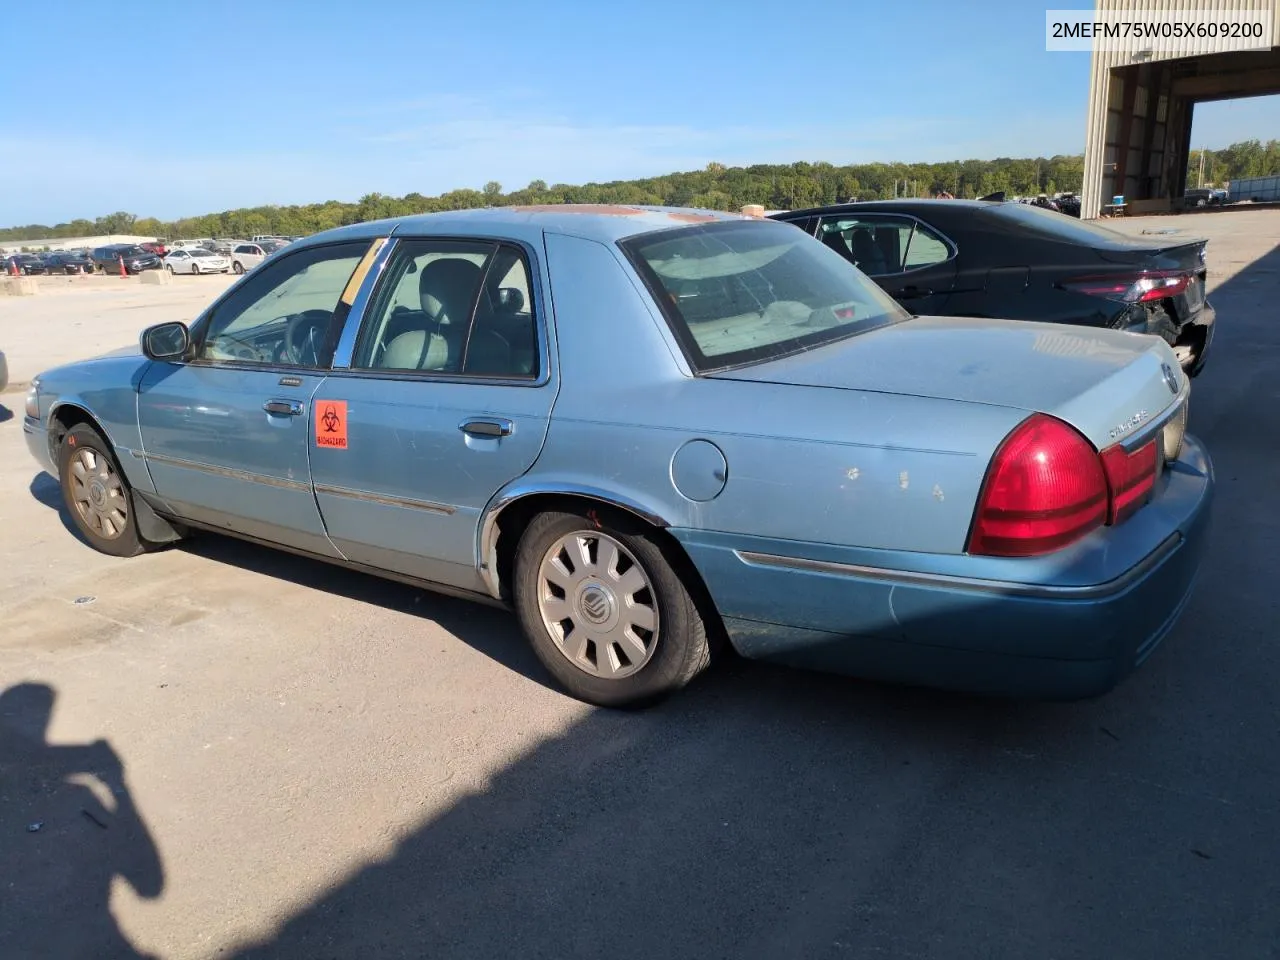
(1097, 135)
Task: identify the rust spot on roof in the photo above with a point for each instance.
(692, 217)
(606, 209)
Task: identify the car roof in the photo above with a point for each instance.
(910, 205)
(602, 222)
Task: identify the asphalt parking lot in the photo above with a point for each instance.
(221, 751)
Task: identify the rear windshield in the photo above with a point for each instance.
(742, 292)
(1058, 226)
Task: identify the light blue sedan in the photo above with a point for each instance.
(650, 430)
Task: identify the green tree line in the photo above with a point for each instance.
(1250, 158)
(717, 187)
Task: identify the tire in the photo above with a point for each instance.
(195, 269)
(169, 267)
(237, 268)
(97, 494)
(635, 666)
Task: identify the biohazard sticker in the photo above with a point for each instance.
(331, 424)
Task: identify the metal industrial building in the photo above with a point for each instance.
(1141, 102)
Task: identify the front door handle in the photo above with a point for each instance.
(488, 427)
(283, 408)
(913, 293)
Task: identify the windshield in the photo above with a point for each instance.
(131, 252)
(742, 292)
(199, 252)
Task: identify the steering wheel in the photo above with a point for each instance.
(304, 336)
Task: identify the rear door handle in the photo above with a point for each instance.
(283, 408)
(488, 427)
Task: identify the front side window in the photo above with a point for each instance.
(283, 315)
(459, 307)
(882, 245)
(743, 292)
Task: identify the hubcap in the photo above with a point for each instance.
(598, 605)
(98, 494)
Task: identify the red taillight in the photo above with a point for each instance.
(1045, 488)
(1131, 477)
(1132, 287)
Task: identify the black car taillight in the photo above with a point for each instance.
(1140, 287)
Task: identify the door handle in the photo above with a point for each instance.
(913, 293)
(283, 408)
(488, 427)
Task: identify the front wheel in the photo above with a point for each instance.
(605, 611)
(238, 267)
(97, 494)
(195, 268)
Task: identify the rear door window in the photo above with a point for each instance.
(881, 245)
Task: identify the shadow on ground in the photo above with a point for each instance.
(5, 414)
(68, 827)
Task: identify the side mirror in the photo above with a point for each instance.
(166, 341)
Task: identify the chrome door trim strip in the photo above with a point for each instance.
(227, 472)
(386, 501)
(977, 585)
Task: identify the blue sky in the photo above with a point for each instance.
(163, 112)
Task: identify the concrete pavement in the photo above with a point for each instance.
(327, 765)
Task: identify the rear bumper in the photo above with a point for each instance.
(1199, 334)
(1028, 639)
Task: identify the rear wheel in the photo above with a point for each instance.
(97, 494)
(605, 611)
(169, 267)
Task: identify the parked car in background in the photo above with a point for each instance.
(27, 264)
(722, 430)
(975, 258)
(196, 260)
(67, 261)
(246, 256)
(155, 246)
(135, 259)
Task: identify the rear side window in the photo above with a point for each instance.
(742, 292)
(881, 245)
(458, 307)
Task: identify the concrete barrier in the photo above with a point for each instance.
(160, 277)
(20, 287)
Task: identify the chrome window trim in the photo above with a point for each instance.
(384, 500)
(972, 584)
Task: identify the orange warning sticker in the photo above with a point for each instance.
(331, 424)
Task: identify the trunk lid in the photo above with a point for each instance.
(1105, 383)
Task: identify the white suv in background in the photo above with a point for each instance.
(246, 256)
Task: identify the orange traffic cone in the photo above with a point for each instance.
(123, 271)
